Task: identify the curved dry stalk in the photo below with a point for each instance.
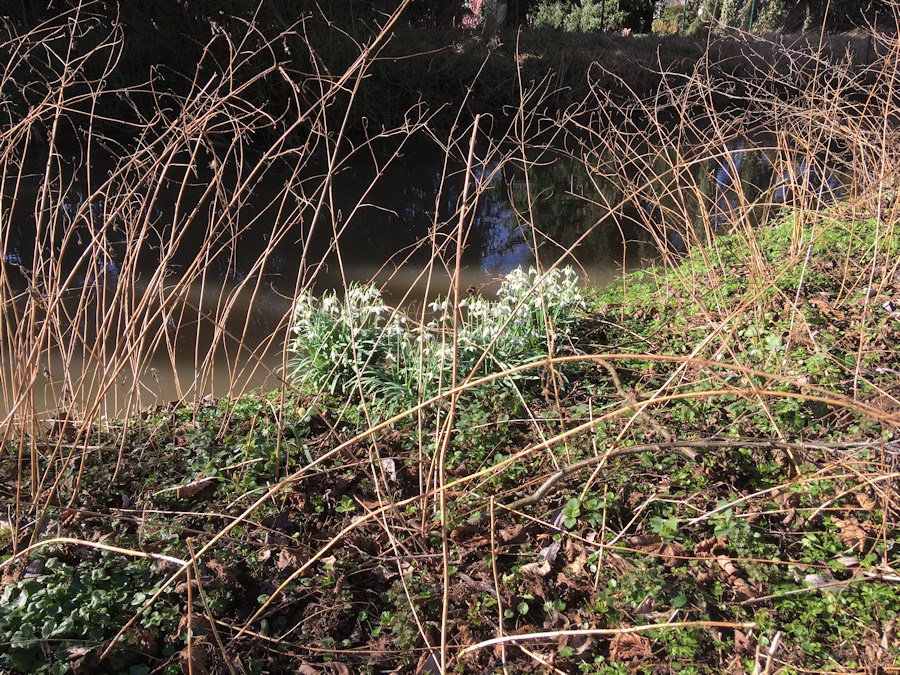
(602, 632)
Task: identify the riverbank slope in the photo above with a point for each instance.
(703, 482)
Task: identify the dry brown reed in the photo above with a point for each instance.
(82, 322)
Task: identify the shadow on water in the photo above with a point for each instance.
(389, 228)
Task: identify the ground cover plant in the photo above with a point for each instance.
(746, 534)
(689, 470)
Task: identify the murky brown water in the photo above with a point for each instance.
(381, 237)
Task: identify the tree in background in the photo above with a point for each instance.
(790, 17)
(672, 19)
(517, 11)
(587, 15)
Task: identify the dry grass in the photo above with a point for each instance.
(77, 337)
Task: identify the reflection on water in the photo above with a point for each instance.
(393, 229)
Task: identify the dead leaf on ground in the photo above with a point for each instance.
(786, 499)
(462, 532)
(469, 536)
(632, 647)
(193, 659)
(647, 605)
(707, 548)
(789, 501)
(182, 588)
(583, 644)
(553, 620)
(851, 534)
(148, 639)
(847, 561)
(671, 553)
(224, 575)
(643, 540)
(538, 569)
(196, 488)
(512, 535)
(461, 591)
(867, 501)
(573, 587)
(287, 559)
(741, 642)
(577, 566)
(617, 563)
(76, 653)
(727, 565)
(550, 552)
(464, 636)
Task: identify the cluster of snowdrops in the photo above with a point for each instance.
(357, 343)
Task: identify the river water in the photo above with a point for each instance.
(389, 224)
